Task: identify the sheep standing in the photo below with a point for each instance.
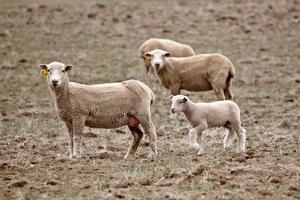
(177, 49)
(201, 72)
(108, 105)
(207, 115)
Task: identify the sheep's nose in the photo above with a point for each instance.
(54, 82)
(173, 110)
(156, 64)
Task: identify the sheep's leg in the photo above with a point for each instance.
(229, 137)
(227, 90)
(175, 89)
(243, 139)
(193, 140)
(193, 134)
(71, 139)
(241, 133)
(137, 137)
(150, 130)
(201, 149)
(220, 94)
(78, 125)
(228, 94)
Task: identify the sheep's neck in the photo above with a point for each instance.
(62, 100)
(189, 108)
(167, 74)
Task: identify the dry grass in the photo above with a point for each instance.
(101, 39)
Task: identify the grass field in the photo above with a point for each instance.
(101, 39)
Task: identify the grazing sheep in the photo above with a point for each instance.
(177, 49)
(201, 72)
(207, 115)
(108, 105)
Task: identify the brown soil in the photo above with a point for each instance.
(101, 39)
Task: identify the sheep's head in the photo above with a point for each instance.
(55, 73)
(178, 103)
(156, 58)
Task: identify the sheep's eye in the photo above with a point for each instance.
(63, 71)
(182, 101)
(48, 70)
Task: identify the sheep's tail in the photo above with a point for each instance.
(140, 88)
(231, 74)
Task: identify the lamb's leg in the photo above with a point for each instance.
(193, 140)
(229, 137)
(137, 137)
(71, 139)
(193, 134)
(243, 138)
(150, 130)
(241, 133)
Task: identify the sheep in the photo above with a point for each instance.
(109, 105)
(207, 115)
(201, 72)
(177, 49)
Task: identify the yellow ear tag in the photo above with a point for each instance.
(43, 72)
(148, 59)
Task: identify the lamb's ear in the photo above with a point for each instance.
(171, 97)
(184, 99)
(167, 54)
(69, 67)
(43, 66)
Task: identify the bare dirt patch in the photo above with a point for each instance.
(101, 39)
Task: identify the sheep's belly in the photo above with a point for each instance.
(197, 84)
(107, 121)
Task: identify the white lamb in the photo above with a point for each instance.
(175, 48)
(207, 115)
(108, 105)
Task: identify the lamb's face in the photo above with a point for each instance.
(178, 103)
(55, 73)
(156, 58)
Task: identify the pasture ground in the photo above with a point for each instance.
(101, 39)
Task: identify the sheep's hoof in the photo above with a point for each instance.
(200, 153)
(195, 147)
(152, 156)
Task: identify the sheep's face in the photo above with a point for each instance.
(178, 103)
(156, 58)
(55, 73)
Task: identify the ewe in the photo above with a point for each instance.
(201, 72)
(108, 105)
(207, 115)
(177, 49)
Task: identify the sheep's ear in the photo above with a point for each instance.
(167, 54)
(43, 66)
(171, 97)
(69, 67)
(147, 57)
(184, 99)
